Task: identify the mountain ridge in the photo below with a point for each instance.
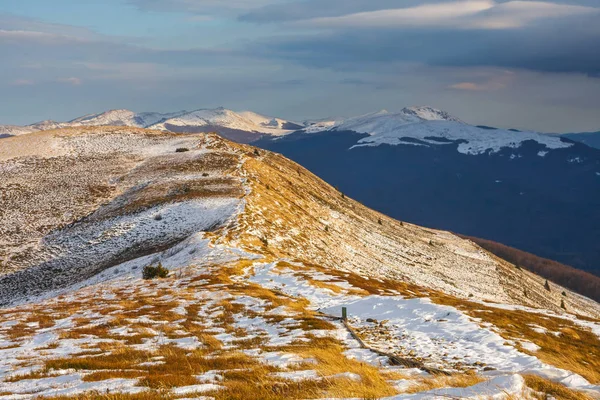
(416, 122)
(261, 256)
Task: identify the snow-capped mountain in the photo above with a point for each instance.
(123, 118)
(245, 126)
(426, 126)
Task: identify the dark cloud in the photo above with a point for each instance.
(565, 45)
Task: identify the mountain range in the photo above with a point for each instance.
(536, 192)
(244, 127)
(141, 264)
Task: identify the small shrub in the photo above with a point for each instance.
(182, 150)
(562, 304)
(153, 272)
(379, 221)
(547, 285)
(564, 293)
(205, 174)
(158, 217)
(256, 152)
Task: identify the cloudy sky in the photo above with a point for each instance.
(522, 64)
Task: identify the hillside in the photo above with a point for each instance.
(538, 193)
(579, 281)
(262, 257)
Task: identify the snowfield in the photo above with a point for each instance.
(434, 127)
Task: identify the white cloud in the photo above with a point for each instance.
(22, 82)
(495, 81)
(70, 81)
(461, 14)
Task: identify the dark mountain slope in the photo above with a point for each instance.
(591, 139)
(548, 205)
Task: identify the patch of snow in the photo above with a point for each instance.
(201, 388)
(497, 388)
(298, 376)
(529, 346)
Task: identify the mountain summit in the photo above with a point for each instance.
(429, 113)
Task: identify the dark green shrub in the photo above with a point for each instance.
(182, 150)
(153, 272)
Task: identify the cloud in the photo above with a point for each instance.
(462, 14)
(71, 81)
(486, 83)
(552, 45)
(312, 9)
(13, 26)
(200, 6)
(467, 86)
(22, 82)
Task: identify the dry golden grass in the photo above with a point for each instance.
(254, 384)
(20, 330)
(330, 360)
(548, 388)
(443, 381)
(100, 331)
(120, 359)
(111, 374)
(166, 381)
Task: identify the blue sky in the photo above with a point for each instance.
(524, 64)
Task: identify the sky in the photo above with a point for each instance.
(514, 64)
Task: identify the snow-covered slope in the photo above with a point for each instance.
(14, 130)
(200, 120)
(108, 118)
(122, 118)
(426, 126)
(263, 255)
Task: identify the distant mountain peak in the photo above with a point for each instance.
(429, 113)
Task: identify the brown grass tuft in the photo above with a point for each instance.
(555, 390)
